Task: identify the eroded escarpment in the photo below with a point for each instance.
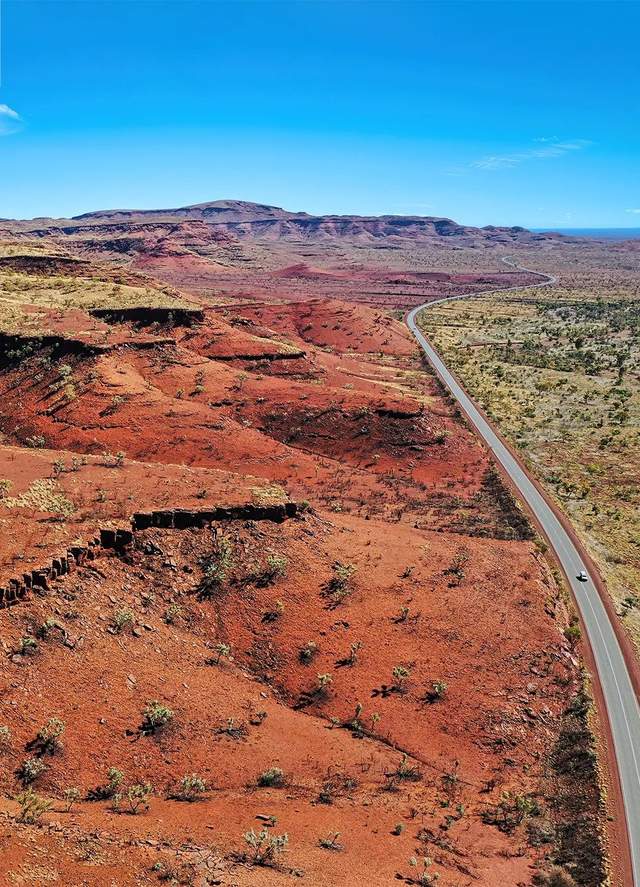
(143, 317)
(120, 539)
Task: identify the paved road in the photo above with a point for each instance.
(621, 701)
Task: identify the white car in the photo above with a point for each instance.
(582, 576)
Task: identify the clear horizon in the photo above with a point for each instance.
(489, 113)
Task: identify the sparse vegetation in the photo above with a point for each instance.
(266, 848)
(339, 585)
(122, 620)
(155, 717)
(32, 806)
(308, 652)
(558, 373)
(331, 842)
(272, 778)
(215, 568)
(48, 739)
(191, 788)
(31, 769)
(112, 787)
(71, 795)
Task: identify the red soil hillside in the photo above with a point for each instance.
(257, 706)
(330, 323)
(268, 615)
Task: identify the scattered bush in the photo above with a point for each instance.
(456, 569)
(400, 675)
(307, 652)
(404, 772)
(223, 651)
(330, 842)
(554, 877)
(276, 568)
(216, 567)
(32, 806)
(71, 795)
(47, 740)
(122, 619)
(339, 586)
(155, 716)
(138, 797)
(172, 614)
(573, 632)
(47, 627)
(438, 691)
(111, 788)
(272, 778)
(191, 787)
(267, 848)
(274, 613)
(28, 645)
(31, 769)
(352, 658)
(322, 688)
(511, 811)
(5, 487)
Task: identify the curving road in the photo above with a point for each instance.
(621, 702)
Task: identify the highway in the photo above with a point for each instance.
(621, 702)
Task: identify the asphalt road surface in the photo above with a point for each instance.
(622, 704)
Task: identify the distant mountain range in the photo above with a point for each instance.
(240, 220)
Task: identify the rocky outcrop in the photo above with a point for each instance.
(15, 348)
(183, 518)
(121, 539)
(149, 316)
(46, 265)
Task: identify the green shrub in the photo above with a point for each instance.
(138, 797)
(216, 567)
(111, 788)
(32, 806)
(272, 778)
(48, 737)
(155, 716)
(277, 565)
(191, 787)
(31, 769)
(307, 652)
(267, 848)
(28, 645)
(71, 795)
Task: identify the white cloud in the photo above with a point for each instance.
(637, 211)
(10, 120)
(9, 112)
(552, 149)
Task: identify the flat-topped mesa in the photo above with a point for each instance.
(121, 539)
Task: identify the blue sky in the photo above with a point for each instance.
(490, 113)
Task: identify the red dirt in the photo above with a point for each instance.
(328, 400)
